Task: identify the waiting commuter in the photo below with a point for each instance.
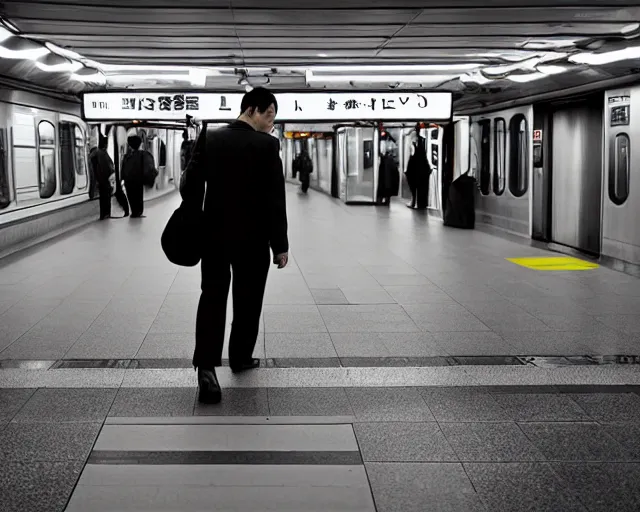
(303, 167)
(238, 234)
(185, 150)
(138, 170)
(104, 174)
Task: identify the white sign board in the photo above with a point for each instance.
(308, 106)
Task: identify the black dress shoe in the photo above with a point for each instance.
(210, 392)
(247, 365)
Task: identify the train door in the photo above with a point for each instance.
(541, 211)
(358, 164)
(576, 162)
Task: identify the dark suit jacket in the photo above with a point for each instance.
(244, 203)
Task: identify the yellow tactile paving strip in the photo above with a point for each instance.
(554, 263)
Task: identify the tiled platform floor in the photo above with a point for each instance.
(363, 282)
(538, 448)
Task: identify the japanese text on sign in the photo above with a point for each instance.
(314, 106)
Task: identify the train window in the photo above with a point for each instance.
(518, 155)
(499, 155)
(47, 159)
(67, 164)
(5, 193)
(485, 156)
(619, 169)
(80, 157)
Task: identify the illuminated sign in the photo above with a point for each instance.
(312, 106)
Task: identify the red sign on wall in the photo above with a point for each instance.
(537, 135)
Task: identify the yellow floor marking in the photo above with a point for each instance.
(554, 263)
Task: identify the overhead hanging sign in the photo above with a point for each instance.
(307, 106)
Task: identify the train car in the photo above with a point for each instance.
(563, 171)
(43, 155)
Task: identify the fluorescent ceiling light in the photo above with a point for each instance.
(63, 51)
(544, 44)
(95, 78)
(4, 34)
(198, 77)
(414, 79)
(72, 66)
(474, 78)
(133, 78)
(527, 78)
(28, 54)
(395, 68)
(628, 29)
(597, 59)
(10, 25)
(550, 69)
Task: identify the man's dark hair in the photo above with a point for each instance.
(258, 98)
(134, 142)
(103, 142)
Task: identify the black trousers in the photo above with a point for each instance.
(122, 200)
(135, 192)
(250, 267)
(305, 180)
(422, 196)
(104, 189)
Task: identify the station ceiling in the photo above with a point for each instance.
(485, 51)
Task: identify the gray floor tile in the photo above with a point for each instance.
(388, 404)
(113, 342)
(403, 442)
(329, 493)
(574, 442)
(412, 487)
(603, 487)
(237, 402)
(152, 402)
(610, 408)
(518, 486)
(37, 486)
(490, 442)
(47, 442)
(540, 407)
(572, 322)
(293, 319)
(501, 322)
(309, 402)
(299, 345)
(12, 400)
(627, 435)
(67, 405)
(463, 405)
(444, 318)
(371, 318)
(483, 343)
(360, 344)
(248, 438)
(329, 296)
(167, 345)
(629, 324)
(376, 295)
(425, 294)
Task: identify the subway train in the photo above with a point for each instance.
(564, 171)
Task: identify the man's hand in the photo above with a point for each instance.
(281, 259)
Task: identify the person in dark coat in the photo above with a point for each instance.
(137, 166)
(103, 169)
(418, 173)
(185, 150)
(388, 179)
(303, 166)
(241, 156)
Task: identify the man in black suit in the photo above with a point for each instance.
(245, 215)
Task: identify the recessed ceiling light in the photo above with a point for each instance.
(323, 55)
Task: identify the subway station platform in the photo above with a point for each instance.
(406, 367)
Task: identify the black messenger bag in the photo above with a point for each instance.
(182, 236)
